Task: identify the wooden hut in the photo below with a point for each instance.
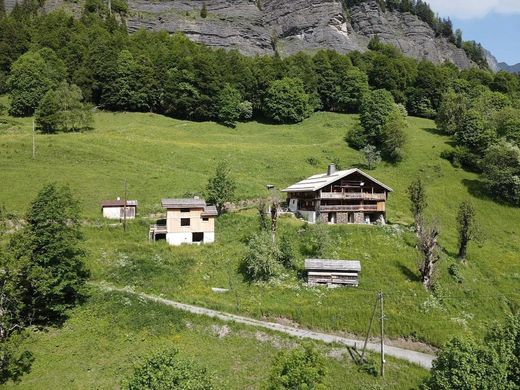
(115, 209)
(333, 272)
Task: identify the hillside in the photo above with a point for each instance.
(285, 26)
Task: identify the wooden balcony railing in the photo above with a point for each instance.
(158, 229)
(352, 195)
(349, 207)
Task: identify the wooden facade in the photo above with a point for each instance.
(333, 272)
(349, 196)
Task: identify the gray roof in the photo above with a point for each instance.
(210, 211)
(183, 203)
(118, 203)
(316, 182)
(336, 265)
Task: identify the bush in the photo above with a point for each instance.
(501, 172)
(287, 102)
(301, 368)
(166, 371)
(262, 260)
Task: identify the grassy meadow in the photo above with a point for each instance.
(163, 157)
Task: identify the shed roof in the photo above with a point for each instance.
(316, 182)
(118, 203)
(336, 265)
(210, 211)
(183, 203)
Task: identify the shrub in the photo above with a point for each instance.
(166, 371)
(262, 260)
(301, 368)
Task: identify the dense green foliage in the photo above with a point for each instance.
(302, 368)
(62, 110)
(165, 370)
(221, 187)
(47, 265)
(465, 364)
(287, 102)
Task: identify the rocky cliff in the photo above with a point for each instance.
(288, 26)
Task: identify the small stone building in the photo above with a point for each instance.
(115, 209)
(188, 221)
(349, 196)
(333, 272)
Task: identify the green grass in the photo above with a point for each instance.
(163, 157)
(103, 340)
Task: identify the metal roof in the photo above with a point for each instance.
(316, 182)
(118, 203)
(336, 265)
(183, 203)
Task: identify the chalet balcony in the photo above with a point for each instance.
(352, 195)
(349, 207)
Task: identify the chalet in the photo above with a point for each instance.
(349, 196)
(115, 209)
(333, 272)
(188, 221)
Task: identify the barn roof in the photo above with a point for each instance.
(329, 265)
(316, 182)
(118, 203)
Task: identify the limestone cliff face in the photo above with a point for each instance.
(258, 27)
(288, 26)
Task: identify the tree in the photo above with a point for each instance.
(62, 110)
(221, 187)
(2, 9)
(165, 370)
(375, 109)
(451, 111)
(465, 365)
(466, 227)
(204, 11)
(372, 156)
(300, 368)
(418, 202)
(231, 107)
(428, 247)
(501, 172)
(262, 260)
(47, 257)
(287, 102)
(32, 75)
(352, 90)
(393, 137)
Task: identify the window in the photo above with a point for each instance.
(185, 210)
(205, 219)
(185, 222)
(197, 237)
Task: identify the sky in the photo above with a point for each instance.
(494, 23)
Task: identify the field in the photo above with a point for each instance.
(162, 157)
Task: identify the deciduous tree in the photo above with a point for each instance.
(466, 227)
(221, 187)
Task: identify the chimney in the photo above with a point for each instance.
(331, 169)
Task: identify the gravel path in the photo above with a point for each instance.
(419, 358)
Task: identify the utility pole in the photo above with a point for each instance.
(124, 209)
(110, 7)
(382, 334)
(33, 141)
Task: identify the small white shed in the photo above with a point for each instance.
(115, 209)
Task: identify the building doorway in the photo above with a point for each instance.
(332, 218)
(197, 237)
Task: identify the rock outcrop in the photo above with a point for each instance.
(288, 26)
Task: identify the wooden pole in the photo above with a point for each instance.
(382, 334)
(33, 141)
(124, 209)
(369, 328)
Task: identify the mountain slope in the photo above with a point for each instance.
(509, 68)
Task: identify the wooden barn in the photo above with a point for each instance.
(333, 272)
(339, 197)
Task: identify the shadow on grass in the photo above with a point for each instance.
(476, 188)
(410, 275)
(434, 131)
